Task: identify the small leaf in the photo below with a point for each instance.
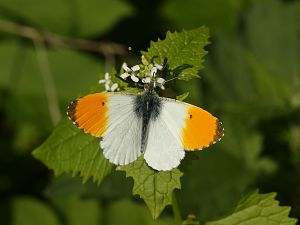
(258, 209)
(182, 96)
(184, 52)
(68, 149)
(155, 187)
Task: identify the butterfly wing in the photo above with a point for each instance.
(179, 127)
(110, 116)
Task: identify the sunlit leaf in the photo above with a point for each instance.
(70, 150)
(155, 187)
(258, 209)
(184, 52)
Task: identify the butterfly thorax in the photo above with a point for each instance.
(147, 108)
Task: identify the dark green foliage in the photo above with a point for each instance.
(250, 80)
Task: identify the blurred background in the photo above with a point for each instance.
(53, 51)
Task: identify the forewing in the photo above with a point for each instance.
(121, 141)
(179, 126)
(90, 113)
(110, 116)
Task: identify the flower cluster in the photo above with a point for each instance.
(151, 77)
(146, 75)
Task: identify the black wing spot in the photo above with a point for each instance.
(103, 103)
(191, 116)
(220, 131)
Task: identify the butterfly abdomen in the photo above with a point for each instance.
(147, 107)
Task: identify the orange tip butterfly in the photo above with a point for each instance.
(134, 124)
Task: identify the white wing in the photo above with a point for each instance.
(164, 148)
(121, 141)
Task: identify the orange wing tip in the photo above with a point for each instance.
(89, 113)
(218, 136)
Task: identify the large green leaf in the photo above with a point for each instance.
(97, 17)
(155, 187)
(78, 211)
(68, 149)
(258, 209)
(264, 79)
(76, 18)
(22, 79)
(184, 52)
(131, 213)
(27, 211)
(216, 14)
(230, 166)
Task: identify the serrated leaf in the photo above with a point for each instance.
(70, 150)
(258, 209)
(184, 52)
(155, 187)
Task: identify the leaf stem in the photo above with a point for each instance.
(176, 210)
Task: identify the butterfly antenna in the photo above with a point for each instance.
(132, 53)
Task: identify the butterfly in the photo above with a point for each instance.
(130, 125)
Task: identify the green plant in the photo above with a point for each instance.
(69, 150)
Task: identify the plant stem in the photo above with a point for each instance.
(48, 81)
(56, 40)
(176, 210)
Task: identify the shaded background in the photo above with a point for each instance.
(251, 81)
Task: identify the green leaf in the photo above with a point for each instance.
(22, 79)
(68, 149)
(230, 166)
(155, 187)
(182, 96)
(216, 14)
(184, 52)
(131, 213)
(31, 211)
(74, 18)
(258, 209)
(78, 211)
(99, 16)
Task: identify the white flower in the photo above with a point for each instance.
(114, 87)
(153, 71)
(159, 67)
(133, 72)
(152, 78)
(109, 85)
